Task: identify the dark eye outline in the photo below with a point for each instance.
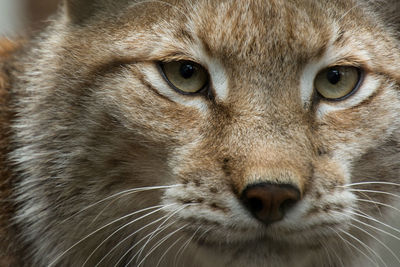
(205, 90)
(361, 77)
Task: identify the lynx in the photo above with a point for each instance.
(202, 133)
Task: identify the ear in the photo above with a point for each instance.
(80, 10)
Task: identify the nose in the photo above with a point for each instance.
(269, 202)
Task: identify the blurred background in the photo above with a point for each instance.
(21, 17)
(18, 17)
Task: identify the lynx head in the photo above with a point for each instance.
(258, 133)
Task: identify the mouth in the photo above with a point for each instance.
(222, 238)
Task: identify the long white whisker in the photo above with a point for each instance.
(375, 192)
(98, 230)
(375, 220)
(183, 247)
(178, 253)
(124, 193)
(369, 183)
(375, 204)
(167, 250)
(368, 248)
(377, 240)
(337, 233)
(356, 248)
(327, 253)
(339, 258)
(186, 244)
(160, 243)
(155, 231)
(150, 234)
(370, 226)
(128, 237)
(379, 203)
(159, 207)
(142, 239)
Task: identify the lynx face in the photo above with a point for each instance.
(208, 133)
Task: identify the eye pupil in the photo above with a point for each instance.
(187, 70)
(333, 76)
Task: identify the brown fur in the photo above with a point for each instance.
(92, 116)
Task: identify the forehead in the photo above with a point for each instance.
(262, 29)
(243, 30)
(265, 28)
(267, 31)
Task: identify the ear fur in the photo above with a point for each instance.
(80, 10)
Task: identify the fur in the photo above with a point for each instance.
(93, 129)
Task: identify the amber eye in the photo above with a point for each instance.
(337, 83)
(186, 77)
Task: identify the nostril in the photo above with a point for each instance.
(270, 202)
(256, 205)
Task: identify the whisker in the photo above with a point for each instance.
(327, 253)
(375, 204)
(160, 243)
(122, 193)
(178, 253)
(150, 234)
(105, 208)
(337, 257)
(128, 237)
(186, 244)
(159, 207)
(138, 242)
(101, 228)
(368, 248)
(368, 225)
(353, 246)
(155, 231)
(375, 192)
(337, 233)
(167, 250)
(369, 183)
(377, 240)
(379, 203)
(183, 247)
(368, 217)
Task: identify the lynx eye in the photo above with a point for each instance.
(339, 82)
(186, 77)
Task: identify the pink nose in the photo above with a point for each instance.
(269, 202)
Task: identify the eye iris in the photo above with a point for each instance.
(187, 70)
(338, 82)
(333, 76)
(185, 77)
